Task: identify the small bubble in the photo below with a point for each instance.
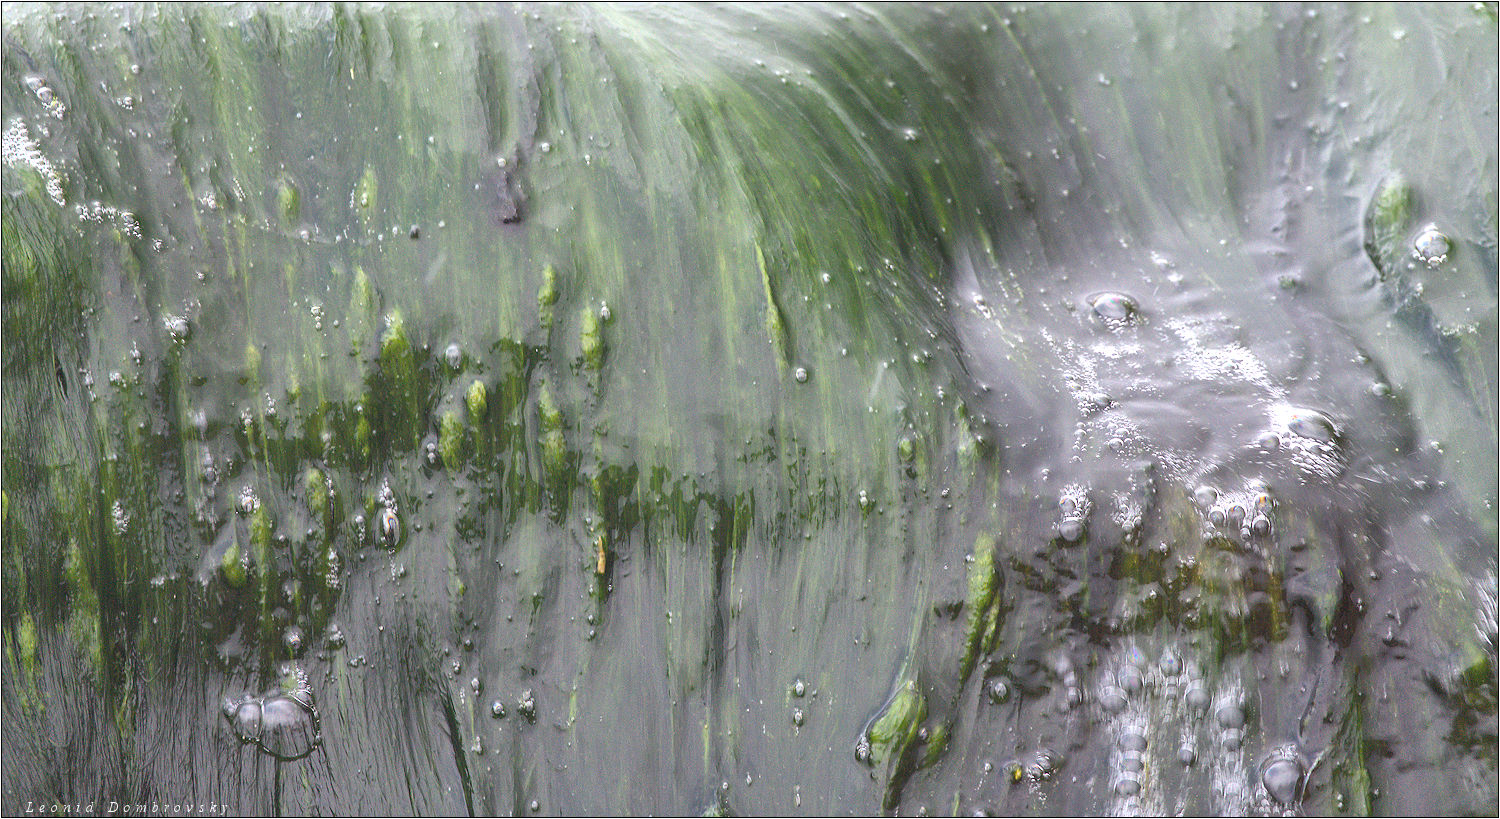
(293, 640)
(1130, 679)
(1216, 516)
(1127, 786)
(1186, 755)
(798, 717)
(526, 705)
(454, 356)
(1235, 515)
(497, 709)
(799, 688)
(1260, 525)
(1171, 664)
(862, 749)
(1205, 495)
(476, 685)
(998, 691)
(801, 375)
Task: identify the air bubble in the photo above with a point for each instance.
(285, 726)
(1112, 699)
(178, 328)
(1130, 679)
(1431, 246)
(1261, 525)
(1070, 530)
(293, 640)
(800, 374)
(1282, 776)
(799, 688)
(1216, 516)
(1232, 739)
(1127, 786)
(454, 356)
(1230, 716)
(1197, 697)
(1171, 664)
(390, 527)
(798, 717)
(1133, 742)
(526, 706)
(497, 709)
(1205, 495)
(1309, 423)
(998, 691)
(1113, 307)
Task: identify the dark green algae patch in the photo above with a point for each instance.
(622, 366)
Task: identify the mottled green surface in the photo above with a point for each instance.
(775, 362)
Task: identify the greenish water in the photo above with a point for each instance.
(771, 409)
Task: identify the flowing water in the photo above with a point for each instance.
(767, 410)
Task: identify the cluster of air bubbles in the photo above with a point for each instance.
(99, 213)
(497, 709)
(46, 96)
(1038, 768)
(1281, 775)
(1074, 506)
(119, 517)
(18, 149)
(1247, 511)
(248, 501)
(177, 328)
(1130, 746)
(1431, 247)
(284, 726)
(1072, 693)
(387, 521)
(1114, 309)
(526, 705)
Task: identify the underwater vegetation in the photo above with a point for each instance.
(689, 409)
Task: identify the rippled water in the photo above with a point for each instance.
(814, 409)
